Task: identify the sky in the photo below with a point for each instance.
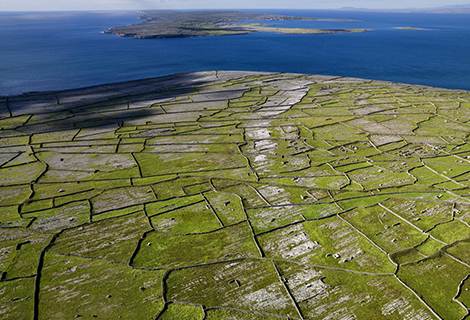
(64, 5)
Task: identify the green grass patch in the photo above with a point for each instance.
(118, 213)
(396, 166)
(436, 280)
(186, 162)
(446, 131)
(246, 285)
(274, 164)
(195, 139)
(30, 205)
(318, 122)
(9, 217)
(16, 299)
(216, 314)
(241, 174)
(98, 149)
(113, 239)
(14, 122)
(328, 242)
(332, 182)
(265, 219)
(249, 196)
(464, 296)
(423, 214)
(327, 111)
(170, 188)
(12, 195)
(159, 250)
(21, 174)
(106, 163)
(182, 311)
(349, 194)
(130, 147)
(365, 201)
(197, 188)
(374, 178)
(388, 231)
(447, 170)
(85, 195)
(96, 288)
(323, 293)
(227, 206)
(354, 148)
(352, 166)
(452, 231)
(117, 174)
(87, 134)
(389, 146)
(406, 256)
(20, 251)
(25, 157)
(121, 198)
(194, 218)
(152, 180)
(427, 177)
(14, 141)
(429, 247)
(316, 143)
(60, 217)
(161, 206)
(450, 185)
(337, 131)
(460, 250)
(381, 117)
(281, 195)
(61, 189)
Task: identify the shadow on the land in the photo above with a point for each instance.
(98, 105)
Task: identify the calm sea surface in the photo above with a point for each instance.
(61, 50)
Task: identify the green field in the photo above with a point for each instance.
(236, 195)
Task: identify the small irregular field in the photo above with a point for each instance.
(236, 195)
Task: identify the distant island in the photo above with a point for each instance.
(449, 9)
(177, 24)
(409, 28)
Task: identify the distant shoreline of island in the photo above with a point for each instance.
(409, 28)
(450, 9)
(179, 24)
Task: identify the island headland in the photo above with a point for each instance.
(175, 24)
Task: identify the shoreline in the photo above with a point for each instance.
(178, 24)
(124, 86)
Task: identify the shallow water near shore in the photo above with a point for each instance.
(62, 50)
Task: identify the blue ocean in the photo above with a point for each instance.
(61, 50)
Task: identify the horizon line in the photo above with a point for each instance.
(454, 8)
